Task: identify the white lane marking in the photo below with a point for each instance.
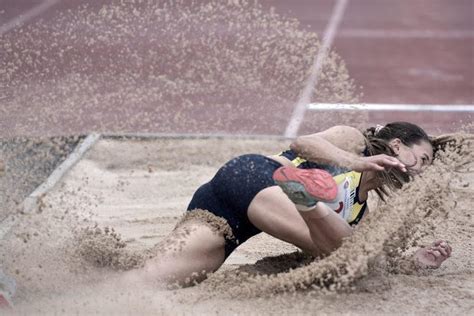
(30, 204)
(192, 136)
(305, 96)
(392, 107)
(26, 16)
(402, 34)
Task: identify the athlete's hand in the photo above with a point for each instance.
(434, 255)
(377, 163)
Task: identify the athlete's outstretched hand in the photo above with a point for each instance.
(434, 255)
(377, 163)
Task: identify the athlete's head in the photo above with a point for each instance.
(410, 144)
(406, 141)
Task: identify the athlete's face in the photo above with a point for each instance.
(415, 157)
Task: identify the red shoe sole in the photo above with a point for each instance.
(318, 183)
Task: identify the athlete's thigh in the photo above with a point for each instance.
(191, 250)
(273, 212)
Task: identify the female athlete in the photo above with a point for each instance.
(311, 195)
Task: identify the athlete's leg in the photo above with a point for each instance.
(307, 189)
(327, 228)
(274, 213)
(319, 231)
(192, 250)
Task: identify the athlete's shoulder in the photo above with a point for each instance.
(344, 130)
(345, 137)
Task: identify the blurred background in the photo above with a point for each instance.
(70, 67)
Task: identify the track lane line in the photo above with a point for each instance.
(406, 34)
(305, 96)
(31, 203)
(392, 107)
(26, 16)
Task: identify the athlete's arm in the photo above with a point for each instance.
(341, 146)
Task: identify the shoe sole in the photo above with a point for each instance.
(294, 182)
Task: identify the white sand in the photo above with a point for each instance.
(141, 188)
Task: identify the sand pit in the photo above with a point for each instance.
(134, 191)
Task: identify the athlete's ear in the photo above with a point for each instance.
(395, 144)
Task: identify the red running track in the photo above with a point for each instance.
(406, 51)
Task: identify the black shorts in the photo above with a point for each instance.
(230, 192)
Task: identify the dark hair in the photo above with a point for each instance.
(377, 141)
